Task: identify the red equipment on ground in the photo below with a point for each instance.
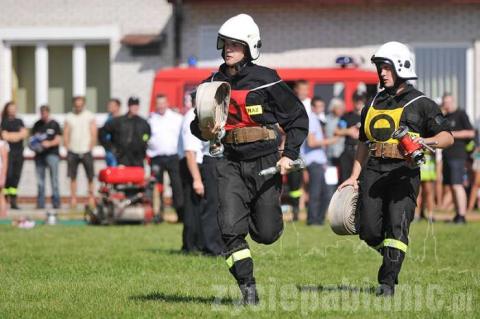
(126, 196)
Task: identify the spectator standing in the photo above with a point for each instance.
(80, 136)
(46, 134)
(475, 185)
(455, 156)
(316, 161)
(4, 149)
(199, 175)
(295, 178)
(336, 109)
(349, 126)
(163, 148)
(113, 108)
(14, 132)
(426, 194)
(126, 137)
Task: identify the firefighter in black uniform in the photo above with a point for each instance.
(261, 104)
(389, 183)
(127, 136)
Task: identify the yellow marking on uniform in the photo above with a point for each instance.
(254, 109)
(381, 124)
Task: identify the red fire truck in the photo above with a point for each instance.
(178, 83)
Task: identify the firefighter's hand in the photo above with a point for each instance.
(350, 181)
(419, 140)
(210, 133)
(284, 164)
(198, 188)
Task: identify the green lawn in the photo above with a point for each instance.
(137, 272)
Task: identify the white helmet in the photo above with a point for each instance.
(399, 56)
(241, 28)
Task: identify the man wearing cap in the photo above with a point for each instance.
(389, 182)
(127, 136)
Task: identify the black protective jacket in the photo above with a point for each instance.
(126, 137)
(279, 106)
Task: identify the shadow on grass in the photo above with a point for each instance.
(179, 252)
(335, 288)
(159, 296)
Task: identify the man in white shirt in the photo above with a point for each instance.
(80, 136)
(163, 148)
(302, 91)
(201, 231)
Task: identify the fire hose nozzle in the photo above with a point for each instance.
(412, 149)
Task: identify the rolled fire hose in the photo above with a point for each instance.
(342, 211)
(212, 100)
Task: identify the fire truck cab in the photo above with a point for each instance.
(177, 83)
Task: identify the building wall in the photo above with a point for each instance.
(297, 34)
(129, 75)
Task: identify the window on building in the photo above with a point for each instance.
(60, 75)
(442, 69)
(23, 67)
(98, 77)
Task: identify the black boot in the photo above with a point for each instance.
(385, 290)
(390, 269)
(249, 293)
(13, 202)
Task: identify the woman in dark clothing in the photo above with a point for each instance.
(14, 132)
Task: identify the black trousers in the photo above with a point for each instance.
(209, 207)
(249, 204)
(14, 172)
(171, 164)
(387, 206)
(191, 239)
(346, 160)
(201, 231)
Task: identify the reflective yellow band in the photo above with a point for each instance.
(238, 255)
(10, 191)
(295, 194)
(388, 242)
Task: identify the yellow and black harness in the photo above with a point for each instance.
(379, 126)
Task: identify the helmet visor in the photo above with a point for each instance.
(221, 41)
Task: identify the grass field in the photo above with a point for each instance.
(137, 272)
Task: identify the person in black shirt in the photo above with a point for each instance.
(455, 156)
(348, 126)
(44, 141)
(260, 103)
(14, 132)
(127, 136)
(389, 183)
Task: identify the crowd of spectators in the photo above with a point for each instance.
(129, 139)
